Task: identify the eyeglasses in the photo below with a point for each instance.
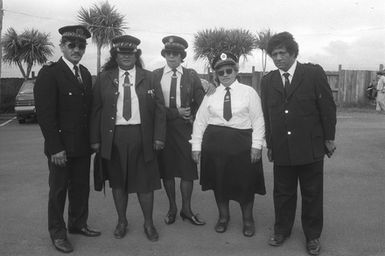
(81, 46)
(172, 53)
(228, 71)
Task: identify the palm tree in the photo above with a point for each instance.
(104, 23)
(210, 42)
(30, 48)
(262, 39)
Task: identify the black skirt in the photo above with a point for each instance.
(226, 164)
(175, 159)
(127, 168)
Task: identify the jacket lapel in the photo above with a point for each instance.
(139, 77)
(113, 76)
(277, 82)
(67, 72)
(296, 81)
(184, 88)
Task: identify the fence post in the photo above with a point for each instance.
(340, 84)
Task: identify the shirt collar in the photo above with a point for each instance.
(131, 71)
(291, 69)
(168, 69)
(232, 86)
(70, 64)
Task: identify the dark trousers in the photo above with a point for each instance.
(74, 178)
(310, 177)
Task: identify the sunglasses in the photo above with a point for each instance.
(228, 71)
(172, 53)
(72, 46)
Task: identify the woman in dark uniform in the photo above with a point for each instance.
(228, 136)
(127, 125)
(183, 93)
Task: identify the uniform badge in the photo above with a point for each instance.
(223, 56)
(79, 31)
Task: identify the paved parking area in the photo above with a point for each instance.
(354, 204)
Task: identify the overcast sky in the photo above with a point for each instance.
(329, 32)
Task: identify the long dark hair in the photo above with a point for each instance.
(112, 64)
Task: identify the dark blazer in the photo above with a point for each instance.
(151, 107)
(63, 106)
(298, 125)
(192, 91)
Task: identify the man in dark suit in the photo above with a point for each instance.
(183, 93)
(63, 101)
(300, 119)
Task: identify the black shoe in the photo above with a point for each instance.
(221, 225)
(170, 218)
(120, 230)
(62, 245)
(313, 247)
(248, 229)
(277, 239)
(151, 233)
(86, 231)
(194, 219)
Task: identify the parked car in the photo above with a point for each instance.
(25, 102)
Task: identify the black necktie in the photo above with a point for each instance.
(227, 105)
(173, 89)
(77, 75)
(127, 97)
(287, 82)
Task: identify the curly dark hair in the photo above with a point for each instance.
(112, 64)
(280, 40)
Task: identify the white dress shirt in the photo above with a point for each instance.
(290, 71)
(71, 67)
(135, 114)
(166, 84)
(246, 114)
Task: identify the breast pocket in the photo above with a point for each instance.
(307, 104)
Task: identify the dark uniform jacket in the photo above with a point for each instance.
(298, 125)
(191, 91)
(63, 106)
(151, 107)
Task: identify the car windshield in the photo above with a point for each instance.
(27, 87)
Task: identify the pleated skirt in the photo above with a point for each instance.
(175, 159)
(127, 168)
(226, 164)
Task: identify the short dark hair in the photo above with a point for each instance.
(111, 63)
(280, 40)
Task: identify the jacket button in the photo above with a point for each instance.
(112, 118)
(110, 130)
(289, 132)
(286, 111)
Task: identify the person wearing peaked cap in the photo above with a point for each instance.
(300, 118)
(228, 136)
(183, 93)
(63, 99)
(380, 88)
(128, 123)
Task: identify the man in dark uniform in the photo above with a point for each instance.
(183, 93)
(63, 100)
(300, 120)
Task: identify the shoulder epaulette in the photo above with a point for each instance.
(49, 64)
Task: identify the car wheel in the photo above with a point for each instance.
(21, 121)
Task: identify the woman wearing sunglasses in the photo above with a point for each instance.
(228, 136)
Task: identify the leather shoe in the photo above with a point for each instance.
(313, 247)
(221, 225)
(248, 229)
(85, 231)
(170, 218)
(151, 233)
(194, 219)
(120, 230)
(62, 245)
(277, 239)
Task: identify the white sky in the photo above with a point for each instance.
(329, 32)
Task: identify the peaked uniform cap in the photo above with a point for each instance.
(125, 43)
(76, 32)
(224, 58)
(174, 44)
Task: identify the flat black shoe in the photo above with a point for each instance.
(120, 230)
(249, 229)
(62, 245)
(86, 231)
(151, 233)
(170, 218)
(277, 239)
(221, 226)
(313, 247)
(194, 219)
